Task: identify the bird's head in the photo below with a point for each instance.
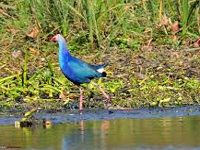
(56, 37)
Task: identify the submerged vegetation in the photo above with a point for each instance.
(152, 48)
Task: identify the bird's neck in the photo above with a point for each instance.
(64, 54)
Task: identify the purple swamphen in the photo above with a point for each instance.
(76, 70)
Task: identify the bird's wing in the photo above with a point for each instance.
(81, 69)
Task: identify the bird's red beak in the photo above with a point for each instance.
(53, 39)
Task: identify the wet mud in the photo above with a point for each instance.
(74, 115)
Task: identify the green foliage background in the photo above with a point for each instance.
(147, 66)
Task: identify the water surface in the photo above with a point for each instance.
(167, 133)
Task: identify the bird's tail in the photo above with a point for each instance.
(103, 74)
(100, 69)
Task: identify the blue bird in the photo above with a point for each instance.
(76, 70)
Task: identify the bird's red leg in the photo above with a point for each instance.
(81, 100)
(103, 92)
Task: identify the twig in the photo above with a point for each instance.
(191, 49)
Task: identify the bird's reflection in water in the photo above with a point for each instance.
(84, 137)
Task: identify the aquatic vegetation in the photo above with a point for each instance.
(152, 48)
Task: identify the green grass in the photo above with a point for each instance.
(95, 30)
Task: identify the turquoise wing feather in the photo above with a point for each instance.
(81, 71)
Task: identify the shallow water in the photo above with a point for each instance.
(168, 129)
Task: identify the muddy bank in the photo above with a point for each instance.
(72, 116)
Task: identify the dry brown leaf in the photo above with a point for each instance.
(34, 51)
(175, 27)
(33, 33)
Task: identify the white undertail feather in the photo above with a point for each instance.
(100, 70)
